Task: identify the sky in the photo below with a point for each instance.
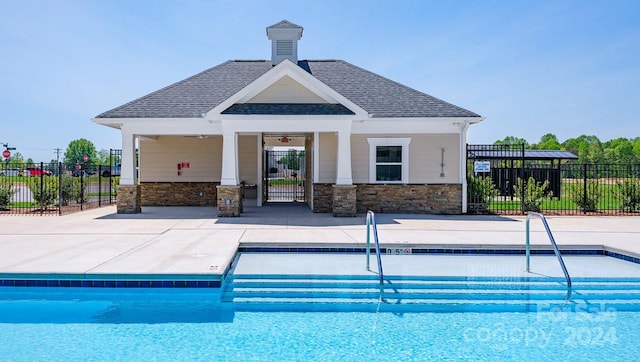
(529, 67)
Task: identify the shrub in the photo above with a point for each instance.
(628, 193)
(577, 195)
(115, 181)
(44, 190)
(534, 193)
(72, 190)
(481, 190)
(6, 192)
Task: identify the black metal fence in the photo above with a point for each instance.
(500, 181)
(284, 176)
(55, 188)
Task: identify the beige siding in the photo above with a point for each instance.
(159, 159)
(359, 159)
(286, 90)
(327, 158)
(424, 158)
(248, 159)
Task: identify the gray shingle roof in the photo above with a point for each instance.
(284, 24)
(202, 92)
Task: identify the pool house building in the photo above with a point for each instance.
(339, 138)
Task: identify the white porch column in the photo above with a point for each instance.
(343, 164)
(229, 175)
(128, 163)
(260, 170)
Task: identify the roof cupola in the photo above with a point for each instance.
(284, 38)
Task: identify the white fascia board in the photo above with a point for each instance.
(409, 125)
(291, 125)
(109, 122)
(167, 126)
(287, 68)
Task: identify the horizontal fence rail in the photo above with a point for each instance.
(513, 185)
(55, 188)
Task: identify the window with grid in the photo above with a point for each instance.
(389, 160)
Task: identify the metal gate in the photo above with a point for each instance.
(284, 175)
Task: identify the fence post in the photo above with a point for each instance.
(81, 188)
(522, 192)
(42, 188)
(584, 188)
(99, 185)
(59, 188)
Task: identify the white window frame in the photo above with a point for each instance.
(373, 145)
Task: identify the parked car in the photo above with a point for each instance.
(115, 170)
(35, 171)
(15, 172)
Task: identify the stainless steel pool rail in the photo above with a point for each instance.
(553, 244)
(371, 221)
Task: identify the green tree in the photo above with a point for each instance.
(548, 142)
(15, 161)
(587, 148)
(636, 149)
(76, 151)
(618, 151)
(102, 157)
(512, 140)
(292, 159)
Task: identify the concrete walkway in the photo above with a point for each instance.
(168, 241)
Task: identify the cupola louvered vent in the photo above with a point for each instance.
(284, 38)
(284, 47)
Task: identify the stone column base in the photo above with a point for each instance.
(229, 200)
(128, 199)
(344, 200)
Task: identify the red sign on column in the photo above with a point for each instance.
(6, 154)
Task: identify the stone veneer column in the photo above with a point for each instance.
(344, 200)
(229, 200)
(128, 199)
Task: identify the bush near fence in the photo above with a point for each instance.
(55, 189)
(586, 189)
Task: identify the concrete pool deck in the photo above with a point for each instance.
(170, 241)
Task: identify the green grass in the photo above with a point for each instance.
(283, 182)
(607, 201)
(23, 204)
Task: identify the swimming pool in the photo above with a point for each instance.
(124, 324)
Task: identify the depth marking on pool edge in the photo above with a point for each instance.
(400, 251)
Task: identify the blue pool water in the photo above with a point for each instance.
(70, 324)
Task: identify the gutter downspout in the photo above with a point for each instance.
(463, 163)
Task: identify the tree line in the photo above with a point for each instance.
(589, 149)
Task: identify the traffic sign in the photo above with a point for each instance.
(6, 154)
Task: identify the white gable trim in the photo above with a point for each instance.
(287, 68)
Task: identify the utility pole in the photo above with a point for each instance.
(58, 150)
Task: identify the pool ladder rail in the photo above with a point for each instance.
(371, 221)
(553, 244)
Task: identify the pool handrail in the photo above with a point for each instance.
(371, 220)
(553, 244)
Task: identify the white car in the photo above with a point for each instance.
(15, 172)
